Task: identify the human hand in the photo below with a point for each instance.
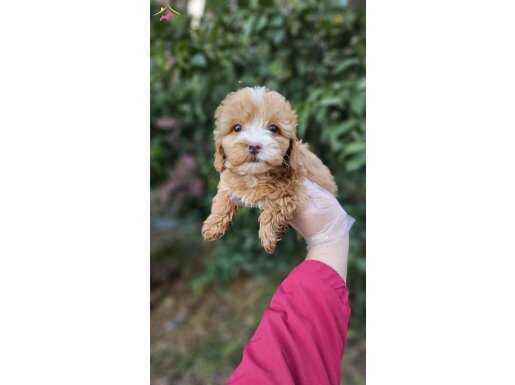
(325, 226)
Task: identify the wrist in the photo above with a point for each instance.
(334, 254)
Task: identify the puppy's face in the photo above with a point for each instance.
(254, 130)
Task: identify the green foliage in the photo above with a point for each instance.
(313, 52)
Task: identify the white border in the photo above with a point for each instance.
(74, 201)
(74, 198)
(441, 192)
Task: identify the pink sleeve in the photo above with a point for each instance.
(301, 337)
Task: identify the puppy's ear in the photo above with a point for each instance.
(294, 158)
(219, 157)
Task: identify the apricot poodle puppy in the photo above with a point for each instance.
(261, 163)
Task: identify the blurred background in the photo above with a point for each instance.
(207, 298)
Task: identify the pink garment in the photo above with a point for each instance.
(301, 337)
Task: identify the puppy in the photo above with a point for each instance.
(261, 163)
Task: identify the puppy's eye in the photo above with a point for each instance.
(273, 128)
(236, 127)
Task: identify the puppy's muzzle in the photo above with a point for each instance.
(254, 148)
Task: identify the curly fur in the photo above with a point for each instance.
(270, 180)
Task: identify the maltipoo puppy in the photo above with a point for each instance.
(261, 163)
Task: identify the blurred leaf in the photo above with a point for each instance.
(340, 129)
(358, 104)
(356, 162)
(331, 101)
(355, 147)
(261, 23)
(341, 67)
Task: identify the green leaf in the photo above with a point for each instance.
(356, 162)
(354, 148)
(331, 101)
(342, 128)
(261, 23)
(347, 63)
(198, 60)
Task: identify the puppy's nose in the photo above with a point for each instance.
(254, 148)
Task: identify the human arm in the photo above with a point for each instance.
(325, 226)
(301, 337)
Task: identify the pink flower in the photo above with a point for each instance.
(167, 15)
(166, 123)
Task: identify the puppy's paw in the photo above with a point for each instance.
(268, 240)
(212, 229)
(268, 246)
